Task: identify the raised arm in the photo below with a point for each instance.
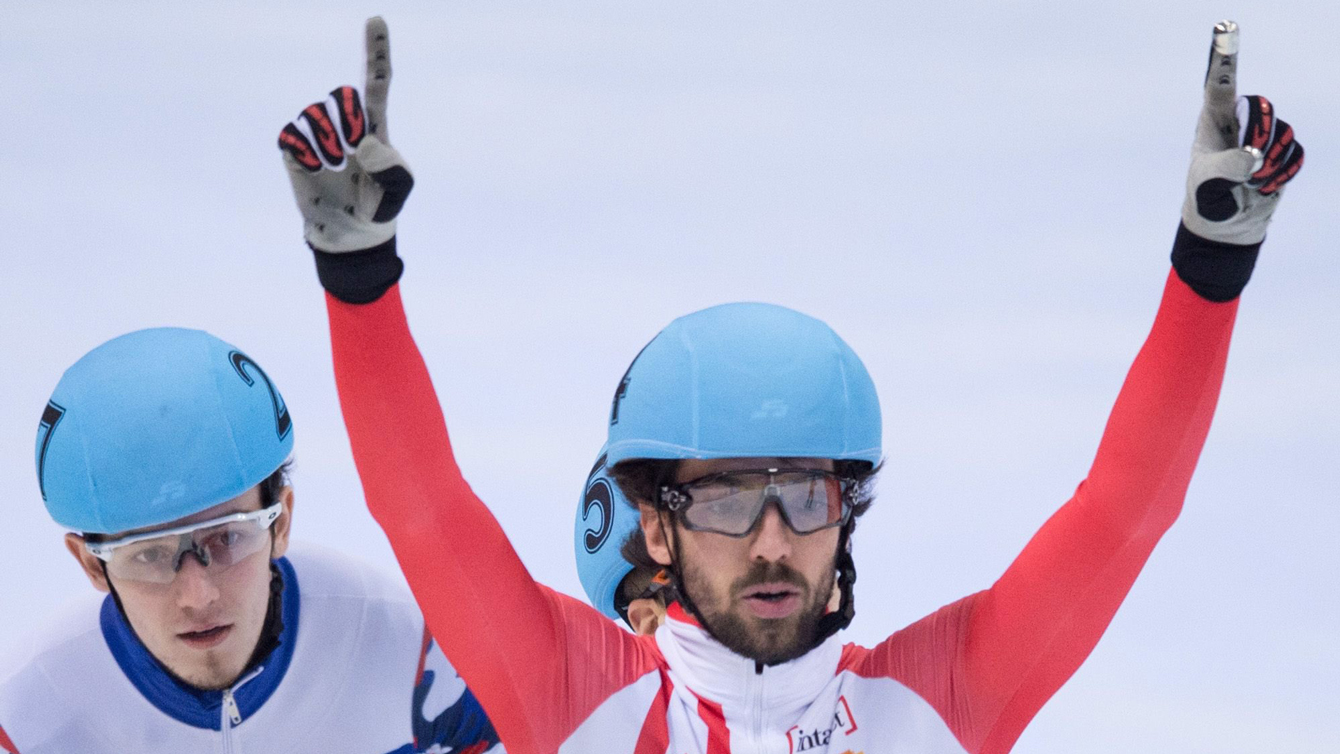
(537, 661)
(7, 745)
(1010, 648)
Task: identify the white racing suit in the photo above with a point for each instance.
(354, 673)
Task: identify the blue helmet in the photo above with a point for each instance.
(742, 380)
(154, 426)
(604, 520)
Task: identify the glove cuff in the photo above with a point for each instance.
(1215, 270)
(359, 277)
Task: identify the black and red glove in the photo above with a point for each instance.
(350, 183)
(1241, 159)
(1242, 156)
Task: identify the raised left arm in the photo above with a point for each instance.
(990, 661)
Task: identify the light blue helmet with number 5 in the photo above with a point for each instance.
(746, 380)
(156, 425)
(604, 521)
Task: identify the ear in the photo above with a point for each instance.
(656, 530)
(87, 561)
(282, 525)
(834, 598)
(646, 615)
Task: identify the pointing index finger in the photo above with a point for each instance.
(1221, 76)
(378, 81)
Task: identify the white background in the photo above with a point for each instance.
(979, 196)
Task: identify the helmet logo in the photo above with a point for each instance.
(173, 490)
(618, 396)
(51, 416)
(283, 423)
(623, 387)
(770, 409)
(598, 495)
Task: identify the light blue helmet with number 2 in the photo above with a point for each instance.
(604, 521)
(156, 425)
(746, 380)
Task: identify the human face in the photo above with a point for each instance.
(205, 624)
(762, 594)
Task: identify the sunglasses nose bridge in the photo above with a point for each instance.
(191, 547)
(772, 499)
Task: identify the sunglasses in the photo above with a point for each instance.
(732, 502)
(156, 557)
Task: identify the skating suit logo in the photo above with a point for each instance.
(802, 739)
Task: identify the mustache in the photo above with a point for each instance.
(762, 573)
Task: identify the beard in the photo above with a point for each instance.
(763, 640)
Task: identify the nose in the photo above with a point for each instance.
(772, 538)
(194, 585)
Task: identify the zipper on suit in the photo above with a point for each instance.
(754, 699)
(230, 713)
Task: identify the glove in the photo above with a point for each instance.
(349, 181)
(1242, 156)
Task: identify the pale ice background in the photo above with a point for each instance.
(979, 196)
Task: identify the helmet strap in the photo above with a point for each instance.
(846, 577)
(677, 579)
(273, 628)
(115, 596)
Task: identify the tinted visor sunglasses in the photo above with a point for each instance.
(732, 502)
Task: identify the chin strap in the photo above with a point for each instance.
(677, 582)
(273, 628)
(846, 578)
(115, 597)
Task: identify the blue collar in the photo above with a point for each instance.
(187, 704)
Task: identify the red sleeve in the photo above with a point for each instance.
(539, 662)
(989, 662)
(7, 744)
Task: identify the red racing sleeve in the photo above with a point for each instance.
(990, 661)
(7, 745)
(539, 662)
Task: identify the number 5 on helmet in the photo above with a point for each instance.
(349, 182)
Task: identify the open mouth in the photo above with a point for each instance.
(205, 638)
(772, 600)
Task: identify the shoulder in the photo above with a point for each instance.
(340, 593)
(53, 669)
(324, 573)
(67, 631)
(930, 645)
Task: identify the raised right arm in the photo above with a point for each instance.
(538, 662)
(7, 745)
(497, 625)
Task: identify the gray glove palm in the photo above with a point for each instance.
(1241, 158)
(349, 182)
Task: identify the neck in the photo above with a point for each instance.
(273, 628)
